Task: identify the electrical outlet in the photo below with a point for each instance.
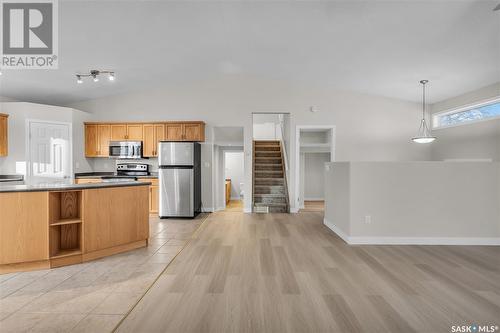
(368, 219)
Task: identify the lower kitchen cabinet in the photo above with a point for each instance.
(154, 196)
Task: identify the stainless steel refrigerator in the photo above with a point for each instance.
(179, 173)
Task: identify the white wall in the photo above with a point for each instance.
(415, 202)
(368, 127)
(314, 175)
(234, 167)
(479, 140)
(19, 112)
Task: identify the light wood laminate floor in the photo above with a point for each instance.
(93, 296)
(289, 273)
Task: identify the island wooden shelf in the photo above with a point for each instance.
(45, 229)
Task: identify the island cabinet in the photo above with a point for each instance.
(4, 138)
(46, 229)
(98, 135)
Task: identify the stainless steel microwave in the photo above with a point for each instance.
(125, 149)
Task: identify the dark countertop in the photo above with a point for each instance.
(62, 186)
(104, 174)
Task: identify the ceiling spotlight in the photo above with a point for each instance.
(94, 74)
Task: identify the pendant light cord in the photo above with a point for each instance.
(423, 98)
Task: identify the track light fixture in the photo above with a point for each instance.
(94, 74)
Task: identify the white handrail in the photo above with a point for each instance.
(285, 155)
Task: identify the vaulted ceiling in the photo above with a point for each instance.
(376, 47)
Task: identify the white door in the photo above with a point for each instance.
(49, 151)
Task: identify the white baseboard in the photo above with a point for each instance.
(494, 241)
(336, 230)
(207, 209)
(294, 210)
(314, 199)
(247, 210)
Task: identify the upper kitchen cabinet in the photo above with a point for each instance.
(97, 137)
(132, 132)
(4, 140)
(185, 131)
(173, 132)
(152, 134)
(118, 132)
(194, 131)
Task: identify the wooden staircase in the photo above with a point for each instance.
(270, 192)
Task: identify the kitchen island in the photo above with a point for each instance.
(56, 224)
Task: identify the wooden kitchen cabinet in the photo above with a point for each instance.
(118, 132)
(91, 141)
(98, 135)
(152, 134)
(88, 180)
(134, 132)
(185, 131)
(174, 132)
(194, 131)
(104, 136)
(154, 196)
(4, 137)
(97, 140)
(154, 199)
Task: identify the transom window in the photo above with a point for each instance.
(481, 111)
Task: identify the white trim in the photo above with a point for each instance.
(314, 199)
(207, 209)
(333, 132)
(247, 210)
(493, 241)
(336, 230)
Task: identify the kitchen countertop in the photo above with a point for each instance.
(65, 186)
(104, 174)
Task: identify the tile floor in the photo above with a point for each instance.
(93, 296)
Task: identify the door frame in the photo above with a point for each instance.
(28, 141)
(298, 128)
(229, 149)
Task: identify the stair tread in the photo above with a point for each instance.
(272, 195)
(276, 204)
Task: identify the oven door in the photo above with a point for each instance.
(125, 149)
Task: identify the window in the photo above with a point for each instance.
(482, 111)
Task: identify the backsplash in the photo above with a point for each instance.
(109, 165)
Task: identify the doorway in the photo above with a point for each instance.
(229, 168)
(315, 146)
(234, 176)
(49, 151)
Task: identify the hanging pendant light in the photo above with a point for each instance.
(424, 134)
